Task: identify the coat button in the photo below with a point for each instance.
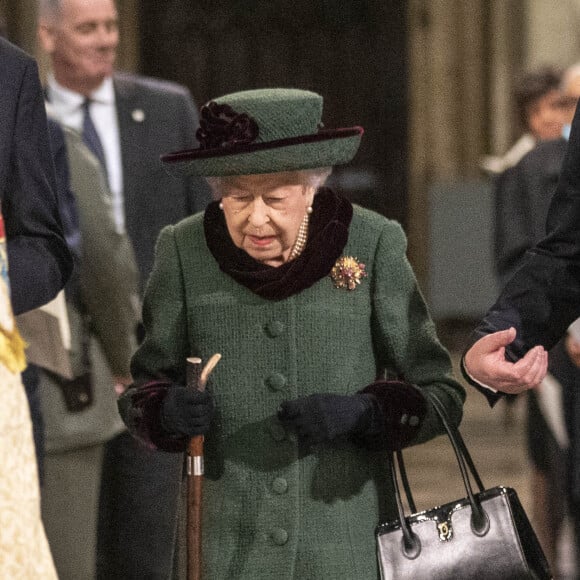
(276, 381)
(277, 432)
(274, 328)
(280, 485)
(279, 536)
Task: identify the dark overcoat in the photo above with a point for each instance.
(543, 297)
(522, 198)
(39, 260)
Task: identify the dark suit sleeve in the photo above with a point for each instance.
(38, 257)
(67, 206)
(543, 296)
(513, 234)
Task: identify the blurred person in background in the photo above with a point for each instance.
(40, 261)
(70, 224)
(79, 409)
(542, 109)
(69, 220)
(127, 121)
(32, 241)
(537, 100)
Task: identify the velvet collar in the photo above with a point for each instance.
(327, 236)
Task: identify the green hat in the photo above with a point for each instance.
(264, 131)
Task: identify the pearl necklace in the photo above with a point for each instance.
(300, 242)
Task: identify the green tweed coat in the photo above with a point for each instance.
(268, 512)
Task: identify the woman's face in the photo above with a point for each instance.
(264, 212)
(545, 117)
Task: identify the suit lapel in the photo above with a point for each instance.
(126, 102)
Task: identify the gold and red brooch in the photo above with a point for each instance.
(347, 273)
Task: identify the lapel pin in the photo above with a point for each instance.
(138, 115)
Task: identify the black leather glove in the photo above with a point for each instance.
(320, 418)
(186, 412)
(403, 408)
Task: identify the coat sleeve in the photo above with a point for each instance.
(404, 333)
(39, 260)
(160, 361)
(67, 205)
(543, 296)
(513, 226)
(164, 350)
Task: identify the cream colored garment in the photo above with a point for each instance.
(24, 551)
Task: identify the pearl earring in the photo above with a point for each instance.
(221, 206)
(309, 210)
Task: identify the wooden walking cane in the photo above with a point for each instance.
(196, 379)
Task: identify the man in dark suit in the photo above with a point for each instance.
(127, 121)
(40, 262)
(507, 353)
(531, 298)
(523, 196)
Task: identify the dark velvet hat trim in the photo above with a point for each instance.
(263, 131)
(327, 236)
(239, 148)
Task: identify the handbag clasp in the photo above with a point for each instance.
(445, 531)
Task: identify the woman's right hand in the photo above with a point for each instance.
(186, 412)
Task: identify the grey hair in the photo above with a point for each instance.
(308, 177)
(49, 9)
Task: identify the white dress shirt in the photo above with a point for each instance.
(68, 108)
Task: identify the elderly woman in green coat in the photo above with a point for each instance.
(326, 340)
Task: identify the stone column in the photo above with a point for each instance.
(462, 59)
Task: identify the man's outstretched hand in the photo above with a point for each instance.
(486, 363)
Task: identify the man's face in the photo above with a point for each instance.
(82, 43)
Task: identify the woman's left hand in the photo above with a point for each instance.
(319, 418)
(402, 408)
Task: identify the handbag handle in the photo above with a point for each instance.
(479, 519)
(456, 439)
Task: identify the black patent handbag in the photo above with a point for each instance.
(484, 536)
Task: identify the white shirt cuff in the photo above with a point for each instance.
(478, 382)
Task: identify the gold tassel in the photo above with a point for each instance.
(12, 347)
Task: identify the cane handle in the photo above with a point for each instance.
(207, 369)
